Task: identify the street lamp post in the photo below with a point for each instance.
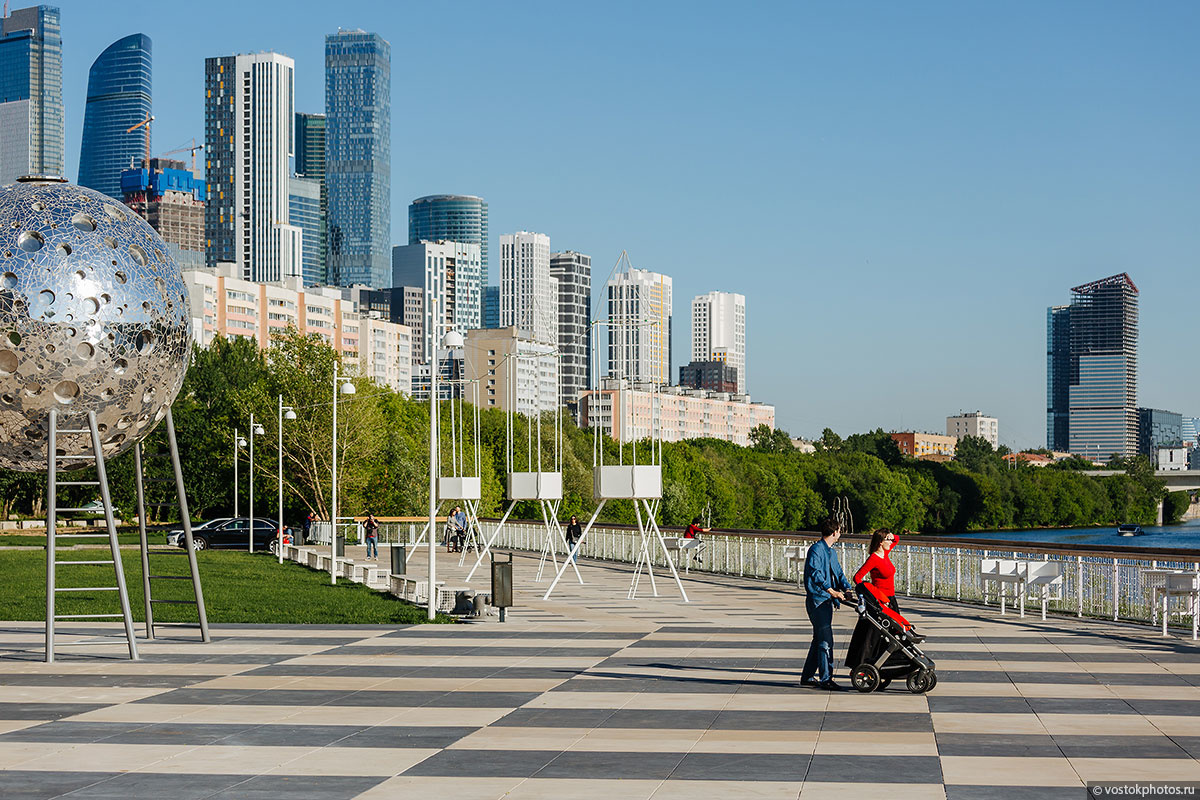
(238, 442)
(255, 430)
(345, 387)
(451, 340)
(285, 412)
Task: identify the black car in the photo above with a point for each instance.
(232, 533)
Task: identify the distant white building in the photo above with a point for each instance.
(974, 423)
(512, 370)
(1171, 458)
(639, 332)
(719, 331)
(528, 295)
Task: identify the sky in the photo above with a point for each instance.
(899, 189)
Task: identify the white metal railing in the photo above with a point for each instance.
(1107, 585)
(346, 526)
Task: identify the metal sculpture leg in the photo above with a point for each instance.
(575, 550)
(186, 517)
(644, 557)
(487, 545)
(52, 536)
(474, 537)
(550, 516)
(651, 512)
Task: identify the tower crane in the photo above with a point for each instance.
(144, 124)
(192, 148)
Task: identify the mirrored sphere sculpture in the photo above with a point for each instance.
(94, 316)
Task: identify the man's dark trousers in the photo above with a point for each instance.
(820, 652)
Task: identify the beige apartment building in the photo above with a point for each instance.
(925, 445)
(224, 304)
(513, 370)
(628, 412)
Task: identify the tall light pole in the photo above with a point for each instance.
(285, 412)
(255, 430)
(452, 340)
(345, 387)
(238, 442)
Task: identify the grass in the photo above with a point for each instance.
(238, 587)
(126, 534)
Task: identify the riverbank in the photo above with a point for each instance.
(1182, 536)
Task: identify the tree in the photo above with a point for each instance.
(976, 454)
(765, 440)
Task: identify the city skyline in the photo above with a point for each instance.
(951, 170)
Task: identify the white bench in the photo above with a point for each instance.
(679, 544)
(1180, 584)
(796, 554)
(1003, 572)
(1046, 577)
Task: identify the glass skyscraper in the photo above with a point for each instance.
(1098, 354)
(118, 97)
(358, 158)
(31, 99)
(451, 218)
(304, 211)
(310, 167)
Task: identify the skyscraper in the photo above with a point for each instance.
(1101, 369)
(171, 199)
(31, 99)
(248, 112)
(719, 331)
(453, 218)
(448, 272)
(639, 332)
(358, 158)
(1058, 378)
(528, 298)
(573, 271)
(491, 306)
(310, 166)
(118, 97)
(304, 211)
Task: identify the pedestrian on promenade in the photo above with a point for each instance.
(371, 535)
(693, 532)
(307, 526)
(459, 520)
(825, 586)
(881, 572)
(574, 534)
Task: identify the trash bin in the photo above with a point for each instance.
(339, 549)
(502, 584)
(399, 559)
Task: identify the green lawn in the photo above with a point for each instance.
(126, 534)
(238, 587)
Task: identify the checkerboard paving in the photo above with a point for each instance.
(592, 694)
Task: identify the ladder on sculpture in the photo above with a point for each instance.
(149, 578)
(53, 590)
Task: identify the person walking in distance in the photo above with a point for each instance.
(574, 534)
(307, 526)
(459, 520)
(371, 534)
(825, 586)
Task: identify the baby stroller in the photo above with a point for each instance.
(888, 647)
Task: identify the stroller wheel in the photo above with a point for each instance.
(865, 678)
(921, 681)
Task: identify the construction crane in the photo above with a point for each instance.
(193, 148)
(144, 124)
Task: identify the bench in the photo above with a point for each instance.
(1003, 572)
(796, 554)
(1046, 576)
(678, 544)
(1165, 584)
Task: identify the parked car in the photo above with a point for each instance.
(229, 533)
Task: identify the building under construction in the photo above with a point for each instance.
(171, 198)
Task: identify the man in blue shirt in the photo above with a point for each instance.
(825, 586)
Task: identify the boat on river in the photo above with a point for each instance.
(1130, 529)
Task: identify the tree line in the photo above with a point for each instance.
(383, 446)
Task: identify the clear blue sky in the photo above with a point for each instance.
(899, 189)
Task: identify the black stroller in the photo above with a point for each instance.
(885, 647)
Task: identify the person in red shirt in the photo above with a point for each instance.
(879, 567)
(693, 532)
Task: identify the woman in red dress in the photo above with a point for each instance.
(879, 567)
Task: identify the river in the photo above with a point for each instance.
(1185, 536)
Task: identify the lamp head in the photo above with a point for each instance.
(348, 388)
(289, 413)
(258, 430)
(241, 442)
(452, 340)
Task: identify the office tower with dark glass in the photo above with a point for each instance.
(573, 272)
(310, 168)
(1058, 378)
(491, 306)
(118, 97)
(248, 110)
(358, 158)
(31, 98)
(451, 218)
(1101, 369)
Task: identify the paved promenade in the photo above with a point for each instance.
(595, 696)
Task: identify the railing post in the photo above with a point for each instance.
(1079, 584)
(741, 556)
(908, 570)
(958, 573)
(986, 585)
(1116, 591)
(932, 571)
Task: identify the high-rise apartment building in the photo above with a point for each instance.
(639, 327)
(310, 166)
(358, 158)
(528, 299)
(118, 97)
(719, 331)
(31, 98)
(448, 273)
(711, 376)
(491, 306)
(514, 372)
(304, 211)
(171, 198)
(1098, 355)
(1190, 428)
(451, 218)
(573, 271)
(248, 114)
